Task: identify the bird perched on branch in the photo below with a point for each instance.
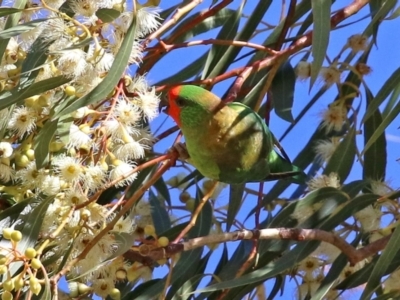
(228, 142)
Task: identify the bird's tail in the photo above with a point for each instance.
(281, 168)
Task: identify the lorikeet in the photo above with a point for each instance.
(228, 142)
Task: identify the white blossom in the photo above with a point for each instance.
(127, 113)
(95, 177)
(147, 21)
(69, 168)
(149, 103)
(22, 120)
(334, 117)
(324, 181)
(72, 63)
(123, 169)
(78, 138)
(6, 150)
(6, 173)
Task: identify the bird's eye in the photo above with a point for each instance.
(180, 102)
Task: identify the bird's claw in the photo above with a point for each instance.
(182, 151)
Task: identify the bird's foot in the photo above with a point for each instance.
(182, 151)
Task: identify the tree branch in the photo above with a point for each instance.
(296, 234)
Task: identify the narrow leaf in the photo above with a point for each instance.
(112, 77)
(20, 28)
(159, 214)
(107, 15)
(42, 143)
(342, 159)
(375, 155)
(321, 10)
(235, 202)
(5, 11)
(32, 90)
(384, 261)
(227, 32)
(282, 90)
(390, 84)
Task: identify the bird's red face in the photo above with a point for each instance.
(173, 109)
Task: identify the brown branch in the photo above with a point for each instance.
(286, 25)
(169, 47)
(143, 166)
(353, 254)
(197, 212)
(179, 13)
(129, 203)
(297, 45)
(149, 63)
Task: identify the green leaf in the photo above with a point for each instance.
(342, 159)
(282, 90)
(388, 296)
(330, 280)
(287, 261)
(321, 10)
(394, 97)
(245, 34)
(251, 97)
(12, 20)
(190, 261)
(20, 28)
(107, 15)
(353, 188)
(284, 217)
(32, 90)
(191, 284)
(30, 228)
(173, 232)
(383, 263)
(208, 24)
(390, 84)
(63, 127)
(376, 136)
(5, 11)
(375, 155)
(162, 188)
(159, 214)
(348, 209)
(379, 9)
(35, 58)
(278, 285)
(42, 143)
(227, 32)
(236, 192)
(13, 212)
(395, 14)
(113, 76)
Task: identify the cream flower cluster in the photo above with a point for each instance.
(93, 148)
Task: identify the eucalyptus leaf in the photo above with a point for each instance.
(107, 15)
(321, 10)
(113, 76)
(42, 143)
(282, 90)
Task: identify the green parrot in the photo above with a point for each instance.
(227, 142)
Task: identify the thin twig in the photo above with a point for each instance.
(196, 213)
